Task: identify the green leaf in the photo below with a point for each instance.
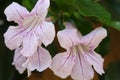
(92, 9)
(115, 24)
(29, 4)
(83, 25)
(64, 5)
(113, 71)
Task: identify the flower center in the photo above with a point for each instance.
(82, 49)
(31, 21)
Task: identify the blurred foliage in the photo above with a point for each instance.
(113, 71)
(86, 8)
(94, 9)
(29, 4)
(116, 25)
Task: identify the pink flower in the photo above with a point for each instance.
(40, 60)
(27, 37)
(32, 29)
(80, 56)
(18, 60)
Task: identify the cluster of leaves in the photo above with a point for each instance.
(78, 9)
(85, 8)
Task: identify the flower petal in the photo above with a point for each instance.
(96, 60)
(82, 69)
(63, 64)
(94, 38)
(41, 8)
(13, 37)
(30, 44)
(15, 12)
(68, 37)
(40, 60)
(46, 33)
(19, 60)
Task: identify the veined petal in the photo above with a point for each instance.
(62, 64)
(30, 44)
(68, 38)
(69, 25)
(94, 38)
(40, 61)
(97, 61)
(13, 37)
(41, 8)
(64, 40)
(46, 33)
(19, 60)
(82, 69)
(15, 12)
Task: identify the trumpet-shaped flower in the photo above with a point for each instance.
(80, 56)
(39, 61)
(32, 28)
